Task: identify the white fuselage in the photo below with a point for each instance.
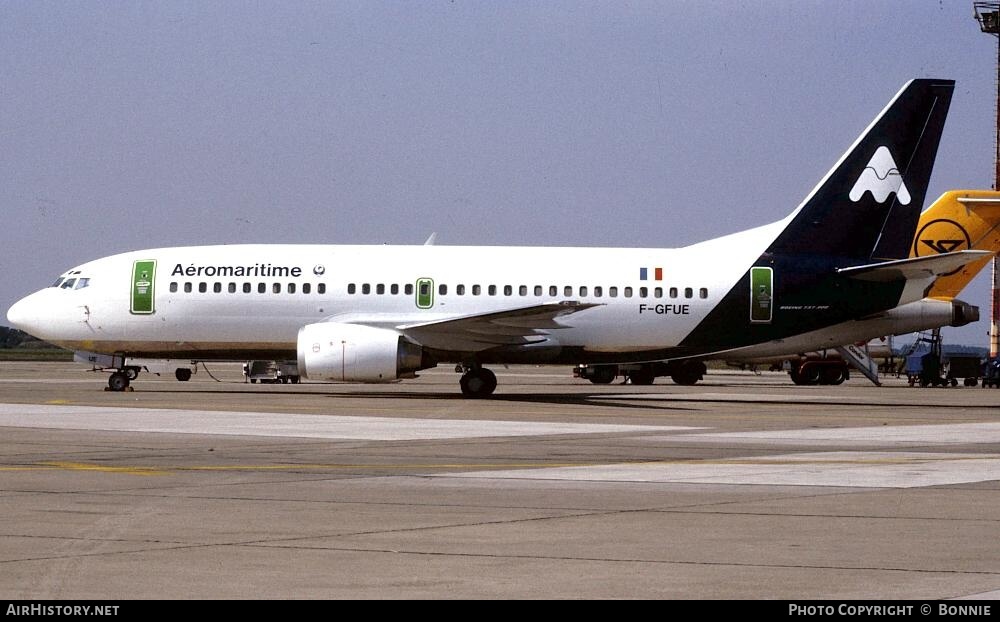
(240, 300)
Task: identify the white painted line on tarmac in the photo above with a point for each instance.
(840, 469)
(955, 433)
(47, 381)
(992, 595)
(801, 397)
(63, 417)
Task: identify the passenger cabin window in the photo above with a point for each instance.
(173, 286)
(187, 288)
(275, 288)
(628, 292)
(232, 288)
(568, 291)
(351, 288)
(408, 289)
(394, 289)
(553, 291)
(688, 292)
(202, 288)
(673, 292)
(380, 289)
(246, 288)
(703, 292)
(613, 291)
(643, 292)
(321, 288)
(460, 290)
(538, 290)
(291, 288)
(583, 291)
(598, 291)
(306, 288)
(493, 290)
(262, 288)
(522, 290)
(658, 292)
(476, 290)
(507, 290)
(442, 289)
(366, 288)
(217, 288)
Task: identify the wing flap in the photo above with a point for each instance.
(511, 327)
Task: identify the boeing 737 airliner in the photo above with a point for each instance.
(381, 313)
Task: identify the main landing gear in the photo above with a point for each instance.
(477, 381)
(819, 371)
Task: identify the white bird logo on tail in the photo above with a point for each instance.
(881, 177)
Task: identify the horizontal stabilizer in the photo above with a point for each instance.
(914, 267)
(973, 202)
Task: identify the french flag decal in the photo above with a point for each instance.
(644, 274)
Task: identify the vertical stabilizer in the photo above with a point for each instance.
(867, 206)
(959, 220)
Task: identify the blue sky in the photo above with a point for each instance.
(130, 125)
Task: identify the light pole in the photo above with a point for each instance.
(988, 16)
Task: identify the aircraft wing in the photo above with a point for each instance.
(913, 268)
(521, 326)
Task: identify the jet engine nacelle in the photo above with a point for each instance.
(931, 313)
(916, 316)
(354, 353)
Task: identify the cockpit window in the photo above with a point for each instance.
(83, 282)
(59, 281)
(68, 283)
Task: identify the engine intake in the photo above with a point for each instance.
(355, 353)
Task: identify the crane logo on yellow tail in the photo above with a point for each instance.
(941, 236)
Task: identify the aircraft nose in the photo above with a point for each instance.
(24, 313)
(17, 313)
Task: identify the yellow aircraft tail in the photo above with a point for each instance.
(959, 220)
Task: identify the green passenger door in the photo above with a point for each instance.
(143, 282)
(761, 295)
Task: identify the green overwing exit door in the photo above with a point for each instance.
(425, 293)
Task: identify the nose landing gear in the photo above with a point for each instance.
(119, 380)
